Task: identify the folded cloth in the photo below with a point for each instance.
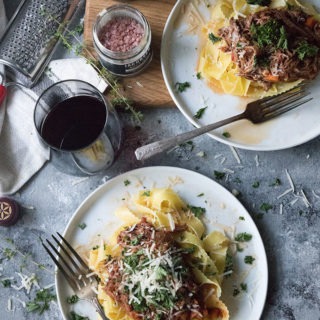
(21, 153)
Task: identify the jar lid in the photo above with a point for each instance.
(9, 212)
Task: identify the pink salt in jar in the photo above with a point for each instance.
(122, 39)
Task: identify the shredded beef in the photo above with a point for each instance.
(269, 63)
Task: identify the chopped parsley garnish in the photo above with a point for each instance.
(256, 184)
(95, 247)
(41, 302)
(75, 316)
(264, 3)
(6, 283)
(200, 194)
(266, 207)
(243, 237)
(146, 193)
(73, 299)
(198, 75)
(277, 182)
(243, 286)
(219, 175)
(197, 211)
(236, 291)
(126, 182)
(249, 259)
(226, 134)
(272, 33)
(229, 263)
(241, 218)
(306, 50)
(9, 253)
(135, 241)
(200, 113)
(82, 225)
(213, 38)
(182, 86)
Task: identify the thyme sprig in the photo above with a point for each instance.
(67, 36)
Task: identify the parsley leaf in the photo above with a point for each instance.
(243, 237)
(41, 301)
(219, 175)
(73, 299)
(6, 283)
(259, 2)
(306, 50)
(243, 286)
(126, 182)
(182, 86)
(266, 207)
(200, 113)
(213, 38)
(146, 193)
(82, 225)
(198, 75)
(197, 211)
(75, 316)
(256, 184)
(249, 259)
(226, 134)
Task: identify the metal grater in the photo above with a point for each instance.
(29, 40)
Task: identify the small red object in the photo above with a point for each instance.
(3, 93)
(9, 212)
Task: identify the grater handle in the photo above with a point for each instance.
(3, 93)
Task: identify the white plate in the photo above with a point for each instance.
(222, 208)
(179, 60)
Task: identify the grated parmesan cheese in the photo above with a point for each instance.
(234, 152)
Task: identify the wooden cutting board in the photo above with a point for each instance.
(147, 89)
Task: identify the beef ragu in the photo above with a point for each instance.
(274, 45)
(151, 279)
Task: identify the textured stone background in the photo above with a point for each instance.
(291, 239)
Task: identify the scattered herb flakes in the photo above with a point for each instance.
(214, 39)
(243, 237)
(229, 263)
(95, 247)
(82, 225)
(243, 286)
(276, 182)
(9, 253)
(260, 2)
(73, 299)
(6, 283)
(146, 194)
(241, 218)
(226, 134)
(236, 291)
(249, 259)
(266, 207)
(182, 86)
(306, 50)
(199, 75)
(41, 302)
(237, 180)
(259, 215)
(126, 182)
(200, 194)
(219, 175)
(256, 184)
(200, 113)
(9, 240)
(197, 211)
(75, 316)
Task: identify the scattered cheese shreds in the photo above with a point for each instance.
(290, 180)
(256, 158)
(284, 193)
(305, 199)
(234, 152)
(281, 208)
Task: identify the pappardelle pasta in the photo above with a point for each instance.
(160, 264)
(254, 50)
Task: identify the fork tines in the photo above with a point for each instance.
(69, 263)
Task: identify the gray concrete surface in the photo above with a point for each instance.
(291, 239)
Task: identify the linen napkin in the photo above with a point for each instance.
(21, 153)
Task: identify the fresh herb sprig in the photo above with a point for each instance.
(41, 302)
(67, 36)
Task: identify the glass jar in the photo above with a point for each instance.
(127, 63)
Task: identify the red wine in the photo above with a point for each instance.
(74, 123)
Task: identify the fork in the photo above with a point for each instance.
(75, 271)
(257, 112)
